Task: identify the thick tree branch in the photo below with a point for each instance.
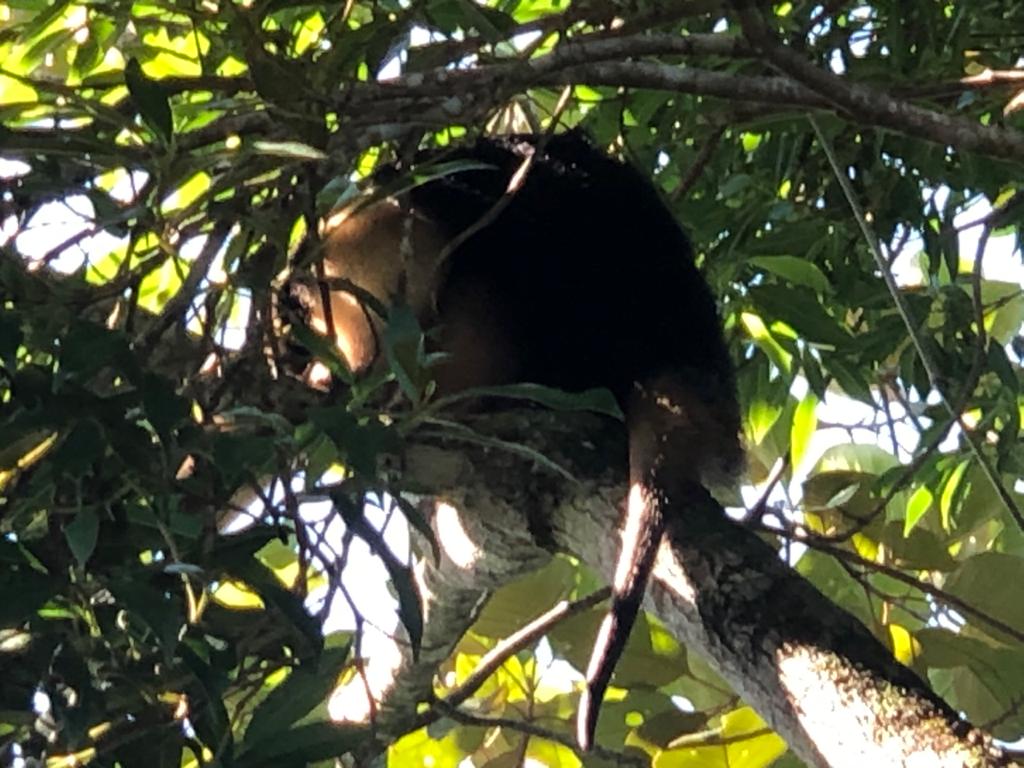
(818, 676)
(606, 61)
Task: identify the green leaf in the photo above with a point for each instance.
(82, 447)
(305, 744)
(796, 238)
(88, 348)
(836, 584)
(292, 150)
(524, 599)
(952, 492)
(856, 457)
(43, 15)
(10, 337)
(920, 502)
(289, 605)
(410, 604)
(404, 349)
(594, 400)
(150, 99)
(24, 592)
(209, 714)
(734, 184)
(763, 337)
(652, 657)
(976, 676)
(1008, 301)
(805, 423)
(919, 550)
(306, 686)
(165, 409)
(795, 270)
(11, 552)
(241, 456)
(851, 379)
(161, 611)
(358, 442)
(982, 582)
(433, 171)
(82, 533)
(746, 742)
(24, 433)
(800, 310)
(999, 363)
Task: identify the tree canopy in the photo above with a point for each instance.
(849, 175)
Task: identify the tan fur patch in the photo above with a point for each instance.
(374, 247)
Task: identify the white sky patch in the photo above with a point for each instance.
(835, 62)
(859, 42)
(1001, 260)
(127, 185)
(62, 222)
(365, 580)
(232, 336)
(12, 169)
(524, 40)
(364, 576)
(559, 673)
(65, 223)
(394, 65)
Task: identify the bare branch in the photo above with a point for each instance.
(524, 637)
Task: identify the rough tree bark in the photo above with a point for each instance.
(816, 675)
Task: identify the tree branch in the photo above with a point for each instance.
(866, 106)
(817, 675)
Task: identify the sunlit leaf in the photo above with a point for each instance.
(82, 533)
(795, 270)
(805, 422)
(920, 502)
(237, 596)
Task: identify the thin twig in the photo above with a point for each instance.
(698, 165)
(520, 639)
(815, 542)
(515, 183)
(532, 729)
(176, 306)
